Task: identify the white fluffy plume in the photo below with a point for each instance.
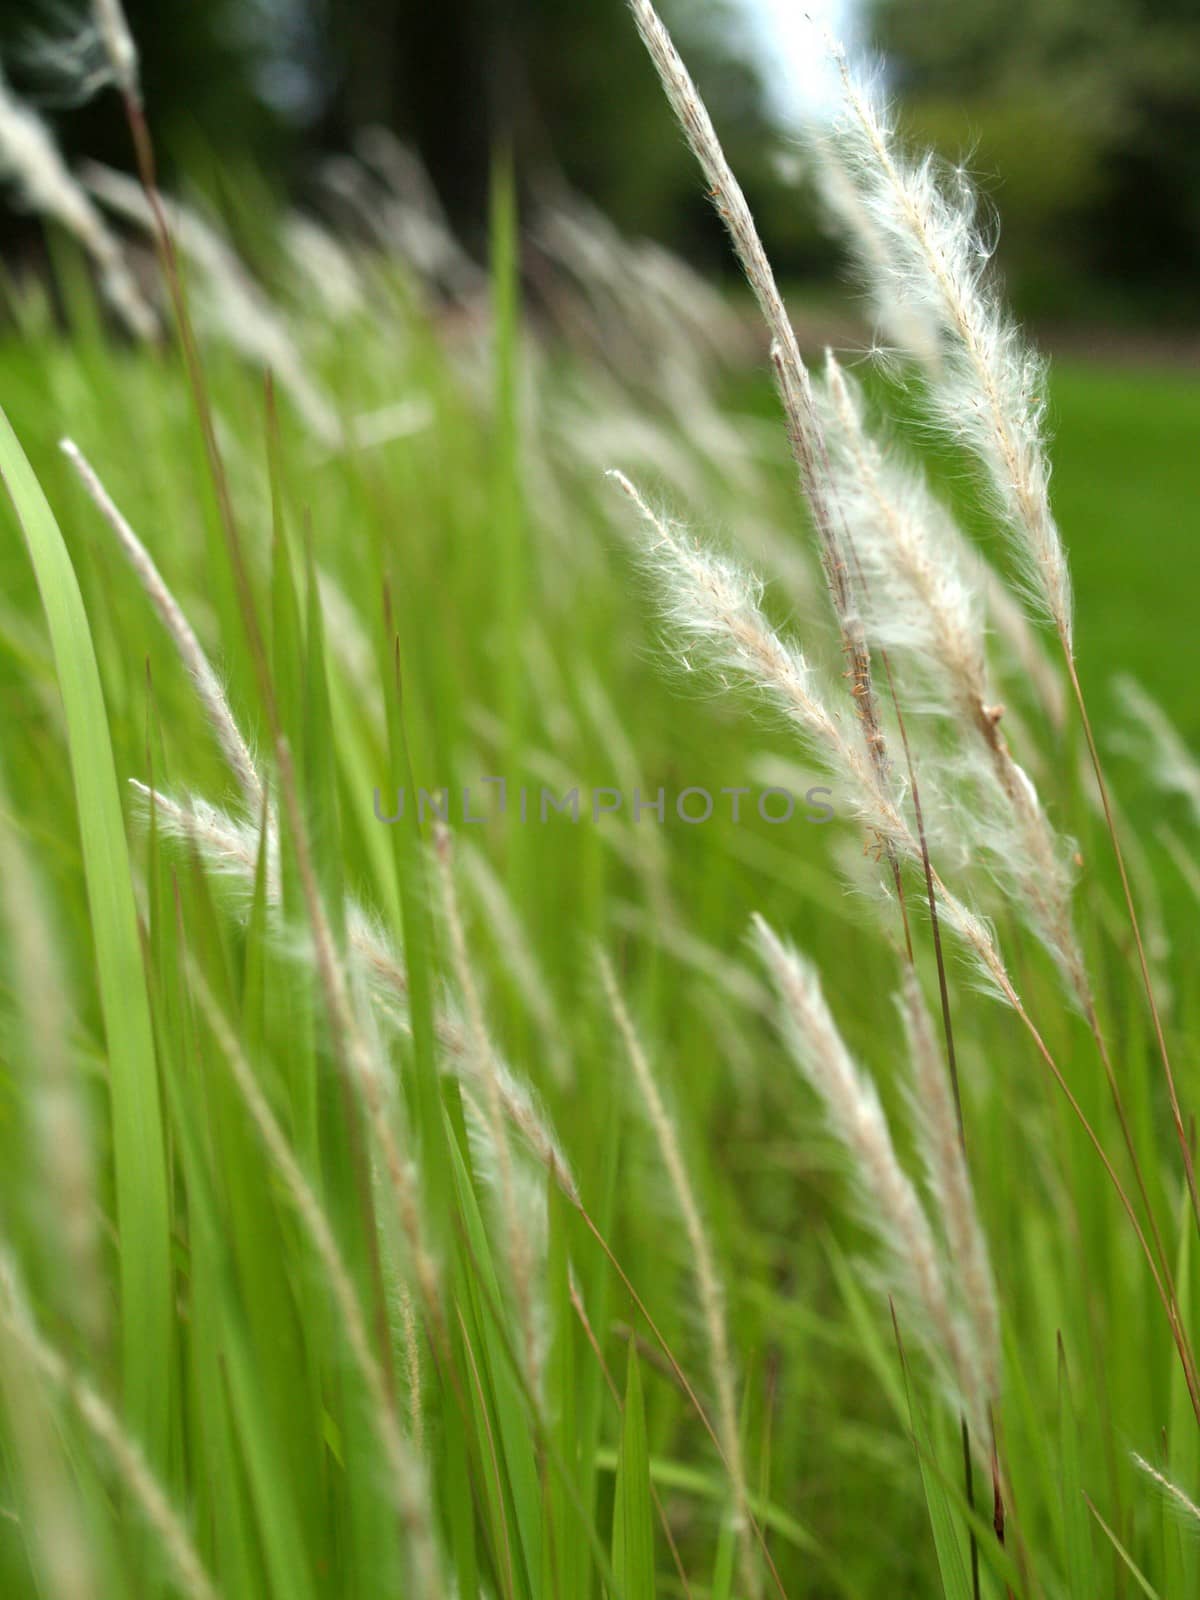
(890, 1204)
(923, 607)
(117, 39)
(931, 261)
(31, 162)
(711, 605)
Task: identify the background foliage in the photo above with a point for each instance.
(1081, 120)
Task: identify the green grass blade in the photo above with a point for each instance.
(955, 1583)
(1183, 1464)
(143, 1204)
(1130, 1565)
(1077, 1533)
(633, 1517)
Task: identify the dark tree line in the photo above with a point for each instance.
(564, 83)
(1081, 116)
(1086, 116)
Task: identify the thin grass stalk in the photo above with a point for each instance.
(1178, 1334)
(229, 847)
(795, 387)
(207, 685)
(891, 1204)
(516, 1235)
(589, 1334)
(1181, 1135)
(198, 385)
(952, 1070)
(230, 303)
(479, 1397)
(1175, 1495)
(708, 1280)
(361, 1071)
(102, 1422)
(511, 941)
(935, 1115)
(678, 1373)
(411, 1492)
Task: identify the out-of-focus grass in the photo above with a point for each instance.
(519, 639)
(1127, 491)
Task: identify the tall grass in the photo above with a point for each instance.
(362, 1234)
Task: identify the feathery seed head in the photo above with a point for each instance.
(1182, 1503)
(905, 322)
(711, 605)
(917, 600)
(923, 608)
(890, 1204)
(119, 47)
(988, 391)
(208, 686)
(30, 160)
(724, 188)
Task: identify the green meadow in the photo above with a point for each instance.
(208, 1392)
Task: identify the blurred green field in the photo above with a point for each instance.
(1126, 486)
(462, 595)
